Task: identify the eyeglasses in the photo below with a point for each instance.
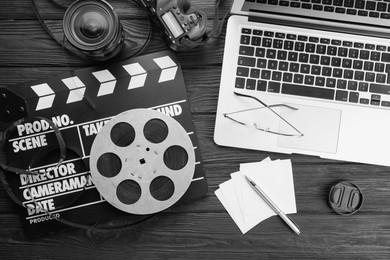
(269, 108)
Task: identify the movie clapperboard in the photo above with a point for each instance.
(79, 106)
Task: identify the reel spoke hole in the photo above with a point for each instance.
(109, 165)
(122, 134)
(155, 131)
(128, 192)
(175, 157)
(162, 188)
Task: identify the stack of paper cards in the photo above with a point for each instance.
(244, 205)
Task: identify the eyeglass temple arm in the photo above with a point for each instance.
(264, 104)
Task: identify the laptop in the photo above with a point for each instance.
(308, 77)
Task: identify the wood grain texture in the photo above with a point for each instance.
(201, 229)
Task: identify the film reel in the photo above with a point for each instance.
(142, 161)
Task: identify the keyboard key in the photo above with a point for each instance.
(353, 53)
(316, 70)
(336, 62)
(303, 57)
(348, 74)
(292, 56)
(332, 50)
(325, 60)
(385, 103)
(353, 97)
(298, 78)
(380, 78)
(320, 81)
(258, 32)
(342, 95)
(278, 44)
(380, 88)
(246, 61)
(326, 71)
(305, 68)
(261, 63)
(282, 55)
(246, 50)
(381, 7)
(385, 57)
(283, 66)
(256, 41)
(375, 56)
(255, 73)
(240, 83)
(267, 42)
(363, 86)
(370, 77)
(381, 48)
(273, 87)
(348, 3)
(330, 83)
(299, 46)
(359, 75)
(260, 52)
(352, 85)
(242, 71)
(288, 45)
(284, 3)
(272, 64)
(368, 65)
(287, 77)
(363, 13)
(329, 8)
(246, 31)
(375, 100)
(337, 73)
(364, 55)
(261, 85)
(271, 54)
(347, 63)
(371, 5)
(341, 84)
(277, 75)
(358, 64)
(294, 67)
(251, 84)
(314, 59)
(343, 52)
(265, 74)
(306, 91)
(245, 39)
(309, 80)
(340, 10)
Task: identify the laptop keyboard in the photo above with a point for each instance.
(314, 66)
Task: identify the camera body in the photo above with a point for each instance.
(181, 30)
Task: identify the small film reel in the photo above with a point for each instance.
(142, 161)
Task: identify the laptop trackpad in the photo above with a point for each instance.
(320, 128)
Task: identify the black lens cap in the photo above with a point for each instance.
(345, 198)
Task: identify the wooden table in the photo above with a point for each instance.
(201, 229)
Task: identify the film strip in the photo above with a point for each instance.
(80, 106)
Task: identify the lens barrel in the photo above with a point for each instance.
(93, 27)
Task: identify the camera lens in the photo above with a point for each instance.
(94, 28)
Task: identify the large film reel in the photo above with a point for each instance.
(142, 161)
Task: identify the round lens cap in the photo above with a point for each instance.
(345, 198)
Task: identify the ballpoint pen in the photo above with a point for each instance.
(275, 208)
